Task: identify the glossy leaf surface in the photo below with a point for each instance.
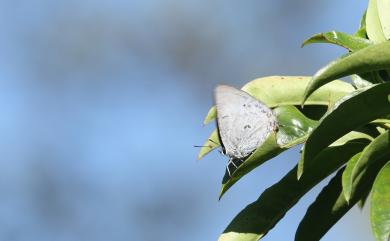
(377, 151)
(371, 58)
(350, 42)
(380, 205)
(347, 117)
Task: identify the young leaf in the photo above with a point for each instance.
(371, 58)
(211, 115)
(212, 143)
(347, 117)
(380, 205)
(350, 42)
(255, 220)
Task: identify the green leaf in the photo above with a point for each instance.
(384, 16)
(276, 91)
(380, 205)
(361, 32)
(351, 136)
(293, 126)
(347, 176)
(377, 151)
(254, 221)
(326, 210)
(373, 23)
(360, 82)
(211, 115)
(212, 143)
(384, 123)
(371, 58)
(293, 130)
(350, 42)
(349, 115)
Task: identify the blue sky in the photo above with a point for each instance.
(101, 103)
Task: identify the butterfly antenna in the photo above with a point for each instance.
(214, 142)
(204, 146)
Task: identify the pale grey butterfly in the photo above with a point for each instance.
(243, 122)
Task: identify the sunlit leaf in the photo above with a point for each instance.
(360, 82)
(350, 42)
(380, 205)
(384, 16)
(371, 58)
(373, 23)
(276, 91)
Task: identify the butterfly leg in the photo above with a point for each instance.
(228, 170)
(231, 161)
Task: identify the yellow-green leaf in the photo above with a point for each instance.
(371, 58)
(373, 23)
(276, 91)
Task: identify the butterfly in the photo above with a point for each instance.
(243, 122)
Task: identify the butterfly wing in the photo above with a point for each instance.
(243, 122)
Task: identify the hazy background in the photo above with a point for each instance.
(101, 103)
